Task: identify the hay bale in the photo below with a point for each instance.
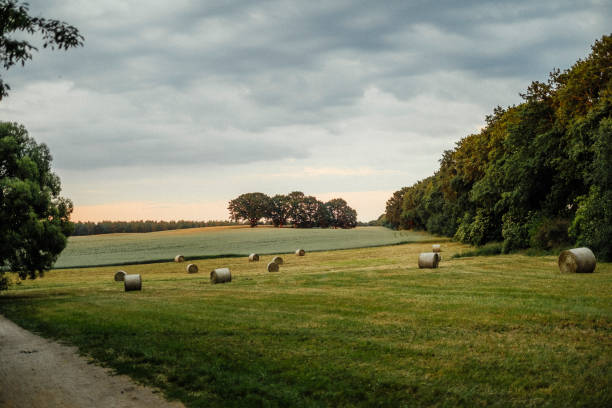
(120, 276)
(300, 252)
(273, 267)
(577, 260)
(132, 282)
(253, 258)
(436, 248)
(429, 260)
(179, 258)
(277, 260)
(192, 268)
(220, 275)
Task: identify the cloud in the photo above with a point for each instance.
(204, 100)
(308, 172)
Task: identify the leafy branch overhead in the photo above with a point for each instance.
(15, 18)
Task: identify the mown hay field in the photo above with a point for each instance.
(118, 249)
(359, 327)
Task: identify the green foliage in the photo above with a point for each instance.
(393, 210)
(340, 214)
(34, 219)
(307, 212)
(278, 211)
(301, 210)
(548, 233)
(515, 231)
(478, 229)
(294, 202)
(14, 18)
(592, 226)
(414, 213)
(463, 229)
(530, 171)
(250, 207)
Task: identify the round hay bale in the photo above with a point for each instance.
(272, 267)
(220, 275)
(278, 260)
(577, 260)
(132, 282)
(429, 260)
(120, 276)
(436, 248)
(179, 258)
(253, 258)
(300, 252)
(192, 268)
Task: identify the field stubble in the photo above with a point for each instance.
(361, 327)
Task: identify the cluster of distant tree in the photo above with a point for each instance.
(295, 209)
(110, 227)
(538, 175)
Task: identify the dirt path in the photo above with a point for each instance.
(38, 373)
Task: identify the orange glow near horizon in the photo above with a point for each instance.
(369, 205)
(146, 210)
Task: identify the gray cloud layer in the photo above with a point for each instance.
(352, 83)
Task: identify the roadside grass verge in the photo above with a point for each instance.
(360, 327)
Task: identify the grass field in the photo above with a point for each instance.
(117, 249)
(360, 327)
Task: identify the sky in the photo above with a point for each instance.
(171, 109)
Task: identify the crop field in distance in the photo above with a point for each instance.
(117, 249)
(357, 327)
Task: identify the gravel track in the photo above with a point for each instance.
(38, 373)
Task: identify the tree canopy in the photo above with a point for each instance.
(34, 219)
(278, 211)
(300, 210)
(340, 214)
(537, 175)
(250, 207)
(15, 18)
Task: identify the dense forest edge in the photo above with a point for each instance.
(538, 175)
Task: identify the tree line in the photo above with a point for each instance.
(537, 175)
(111, 227)
(295, 209)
